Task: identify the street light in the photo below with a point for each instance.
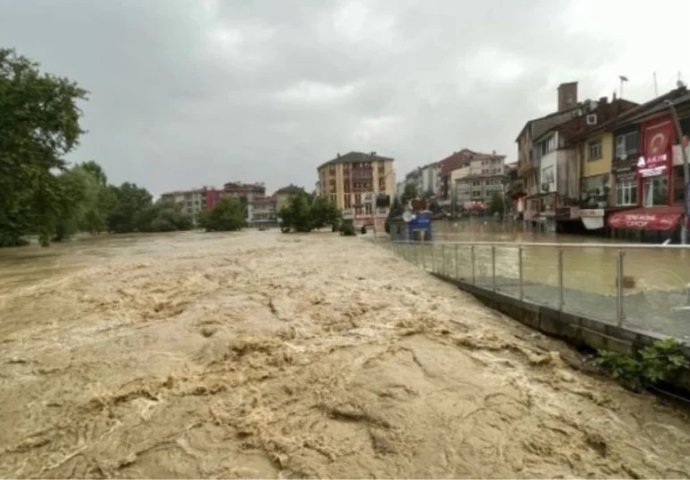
(686, 172)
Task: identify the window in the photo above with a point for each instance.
(348, 201)
(626, 145)
(595, 151)
(656, 191)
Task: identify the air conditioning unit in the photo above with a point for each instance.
(591, 119)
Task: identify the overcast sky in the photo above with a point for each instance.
(200, 92)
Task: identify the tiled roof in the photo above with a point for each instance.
(354, 157)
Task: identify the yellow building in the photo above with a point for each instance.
(596, 158)
(354, 180)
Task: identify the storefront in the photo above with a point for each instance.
(654, 167)
(649, 187)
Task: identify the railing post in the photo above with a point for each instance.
(520, 273)
(443, 260)
(620, 313)
(457, 263)
(493, 268)
(560, 279)
(474, 277)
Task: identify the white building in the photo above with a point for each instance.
(193, 202)
(476, 183)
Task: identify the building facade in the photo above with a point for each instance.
(475, 183)
(353, 181)
(261, 212)
(192, 202)
(283, 195)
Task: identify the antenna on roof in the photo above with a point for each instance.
(656, 87)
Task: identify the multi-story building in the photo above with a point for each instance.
(550, 157)
(636, 182)
(354, 181)
(261, 212)
(283, 195)
(476, 182)
(444, 186)
(244, 191)
(528, 156)
(192, 202)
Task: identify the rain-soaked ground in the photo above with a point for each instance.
(262, 355)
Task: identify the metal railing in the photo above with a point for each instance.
(645, 287)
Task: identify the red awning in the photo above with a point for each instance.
(651, 218)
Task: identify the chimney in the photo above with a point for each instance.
(603, 100)
(567, 96)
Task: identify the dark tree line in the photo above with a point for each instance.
(39, 193)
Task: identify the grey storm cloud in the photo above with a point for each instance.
(185, 93)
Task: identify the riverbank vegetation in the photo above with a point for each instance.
(226, 216)
(646, 367)
(40, 193)
(306, 212)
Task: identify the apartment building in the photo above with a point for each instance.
(262, 212)
(478, 180)
(283, 195)
(354, 180)
(192, 202)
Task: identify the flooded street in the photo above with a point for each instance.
(259, 354)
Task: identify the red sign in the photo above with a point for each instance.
(658, 138)
(646, 219)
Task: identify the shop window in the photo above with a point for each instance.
(626, 191)
(655, 191)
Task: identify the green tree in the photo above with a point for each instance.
(130, 201)
(496, 204)
(324, 213)
(305, 212)
(39, 124)
(163, 216)
(396, 210)
(409, 193)
(227, 215)
(296, 215)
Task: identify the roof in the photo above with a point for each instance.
(551, 116)
(655, 105)
(244, 187)
(354, 157)
(289, 190)
(576, 128)
(182, 192)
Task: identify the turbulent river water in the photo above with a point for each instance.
(259, 354)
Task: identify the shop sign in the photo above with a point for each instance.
(592, 212)
(651, 172)
(644, 220)
(658, 139)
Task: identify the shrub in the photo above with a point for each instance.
(646, 367)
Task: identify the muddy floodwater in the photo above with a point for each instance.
(259, 354)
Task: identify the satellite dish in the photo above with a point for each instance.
(407, 217)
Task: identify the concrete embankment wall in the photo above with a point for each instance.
(576, 330)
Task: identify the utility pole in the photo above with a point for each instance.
(686, 172)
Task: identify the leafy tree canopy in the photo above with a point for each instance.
(227, 215)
